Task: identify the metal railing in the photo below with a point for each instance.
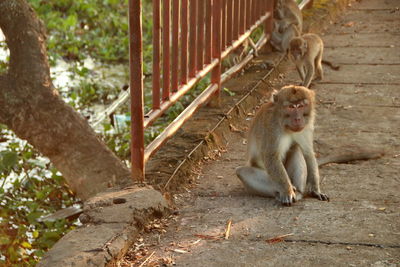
(190, 40)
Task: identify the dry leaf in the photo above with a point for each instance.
(177, 250)
(233, 128)
(349, 24)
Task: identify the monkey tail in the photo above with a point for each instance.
(349, 157)
(330, 64)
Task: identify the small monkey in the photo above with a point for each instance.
(281, 161)
(306, 52)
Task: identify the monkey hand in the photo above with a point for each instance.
(288, 197)
(319, 195)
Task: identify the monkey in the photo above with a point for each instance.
(281, 41)
(241, 52)
(289, 11)
(288, 24)
(280, 156)
(306, 52)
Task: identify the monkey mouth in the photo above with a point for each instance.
(294, 129)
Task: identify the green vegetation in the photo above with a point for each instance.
(30, 187)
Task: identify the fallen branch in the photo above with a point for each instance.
(148, 258)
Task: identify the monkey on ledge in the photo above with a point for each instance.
(281, 159)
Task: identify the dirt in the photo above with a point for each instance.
(358, 107)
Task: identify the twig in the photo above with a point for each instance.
(148, 258)
(228, 229)
(278, 238)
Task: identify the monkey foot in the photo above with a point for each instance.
(320, 196)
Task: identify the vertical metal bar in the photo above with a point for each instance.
(242, 16)
(175, 45)
(200, 34)
(207, 58)
(254, 10)
(229, 22)
(136, 87)
(156, 54)
(184, 41)
(268, 26)
(248, 14)
(236, 19)
(259, 8)
(216, 72)
(166, 47)
(193, 39)
(223, 25)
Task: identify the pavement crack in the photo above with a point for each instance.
(340, 243)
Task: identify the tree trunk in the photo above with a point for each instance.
(33, 109)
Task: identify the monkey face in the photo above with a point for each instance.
(297, 48)
(296, 115)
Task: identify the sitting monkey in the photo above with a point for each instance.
(281, 160)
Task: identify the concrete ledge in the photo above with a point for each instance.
(111, 220)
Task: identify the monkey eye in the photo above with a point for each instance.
(293, 106)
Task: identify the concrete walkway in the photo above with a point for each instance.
(358, 107)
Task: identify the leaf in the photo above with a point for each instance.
(9, 159)
(37, 163)
(33, 216)
(35, 234)
(229, 92)
(26, 245)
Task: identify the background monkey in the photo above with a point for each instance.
(281, 42)
(289, 11)
(306, 52)
(281, 161)
(288, 24)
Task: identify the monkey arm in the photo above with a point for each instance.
(278, 173)
(313, 178)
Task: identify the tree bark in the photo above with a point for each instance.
(33, 109)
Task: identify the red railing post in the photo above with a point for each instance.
(175, 46)
(166, 47)
(200, 34)
(207, 56)
(268, 26)
(193, 38)
(216, 49)
(156, 53)
(223, 24)
(235, 19)
(184, 41)
(229, 22)
(136, 88)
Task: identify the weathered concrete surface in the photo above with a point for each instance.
(358, 107)
(111, 220)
